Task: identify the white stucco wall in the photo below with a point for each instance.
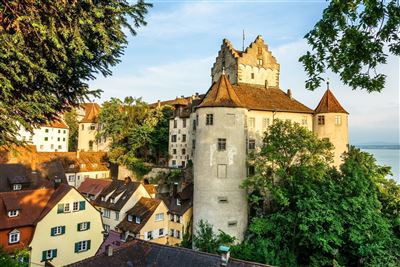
(46, 139)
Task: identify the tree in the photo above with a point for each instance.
(131, 125)
(314, 214)
(350, 40)
(207, 241)
(7, 260)
(49, 50)
(71, 118)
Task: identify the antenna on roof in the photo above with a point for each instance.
(327, 83)
(243, 41)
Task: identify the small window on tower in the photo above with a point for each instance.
(252, 144)
(221, 144)
(338, 120)
(252, 75)
(210, 119)
(175, 123)
(321, 120)
(259, 62)
(259, 51)
(184, 123)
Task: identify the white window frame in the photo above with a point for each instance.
(14, 237)
(13, 213)
(149, 235)
(130, 218)
(106, 213)
(57, 230)
(159, 217)
(49, 254)
(137, 219)
(67, 207)
(75, 206)
(17, 187)
(252, 122)
(84, 226)
(338, 120)
(161, 232)
(82, 246)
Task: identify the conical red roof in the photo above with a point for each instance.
(221, 94)
(329, 104)
(92, 111)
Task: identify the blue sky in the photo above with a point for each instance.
(173, 55)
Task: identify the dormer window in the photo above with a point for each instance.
(71, 166)
(13, 213)
(103, 198)
(17, 187)
(178, 202)
(112, 200)
(137, 219)
(130, 218)
(13, 237)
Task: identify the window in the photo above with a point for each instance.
(137, 219)
(184, 123)
(221, 170)
(66, 207)
(259, 61)
(59, 131)
(75, 206)
(221, 144)
(252, 122)
(106, 227)
(174, 151)
(252, 144)
(116, 215)
(223, 199)
(63, 138)
(338, 120)
(17, 187)
(232, 223)
(130, 218)
(175, 123)
(183, 151)
(149, 235)
(41, 146)
(193, 144)
(46, 139)
(265, 123)
(259, 50)
(172, 232)
(49, 254)
(83, 127)
(304, 120)
(161, 232)
(251, 170)
(90, 145)
(64, 131)
(71, 178)
(13, 213)
(183, 164)
(59, 146)
(174, 163)
(93, 127)
(194, 125)
(52, 146)
(321, 120)
(58, 139)
(13, 237)
(178, 234)
(58, 230)
(197, 119)
(210, 119)
(106, 213)
(112, 200)
(252, 75)
(46, 130)
(160, 217)
(173, 138)
(83, 226)
(183, 137)
(82, 246)
(178, 201)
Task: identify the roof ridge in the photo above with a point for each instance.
(329, 104)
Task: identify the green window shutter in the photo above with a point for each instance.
(54, 253)
(82, 205)
(62, 230)
(88, 244)
(78, 227)
(88, 225)
(43, 255)
(60, 208)
(76, 247)
(53, 231)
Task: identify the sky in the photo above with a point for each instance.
(173, 55)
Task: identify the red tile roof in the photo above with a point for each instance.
(329, 104)
(253, 97)
(59, 123)
(94, 186)
(221, 94)
(92, 111)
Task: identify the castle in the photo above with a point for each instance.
(216, 131)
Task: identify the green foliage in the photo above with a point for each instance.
(131, 126)
(7, 260)
(350, 39)
(310, 214)
(160, 136)
(207, 241)
(71, 118)
(49, 50)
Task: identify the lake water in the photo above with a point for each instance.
(389, 157)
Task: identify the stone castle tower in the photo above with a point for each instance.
(230, 121)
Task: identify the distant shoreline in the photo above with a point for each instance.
(394, 147)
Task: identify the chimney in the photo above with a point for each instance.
(289, 93)
(197, 95)
(109, 250)
(225, 254)
(127, 180)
